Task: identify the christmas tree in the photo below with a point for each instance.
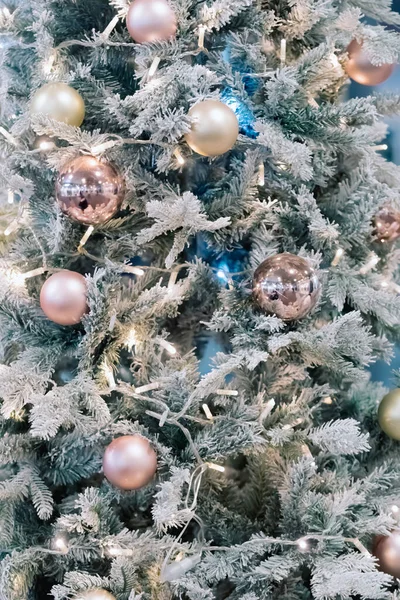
(200, 267)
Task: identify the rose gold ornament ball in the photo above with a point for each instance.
(130, 462)
(59, 101)
(97, 594)
(285, 285)
(150, 20)
(386, 548)
(89, 190)
(214, 129)
(387, 225)
(63, 297)
(360, 69)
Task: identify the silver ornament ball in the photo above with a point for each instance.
(214, 130)
(285, 285)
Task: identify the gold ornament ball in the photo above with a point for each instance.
(286, 286)
(89, 191)
(386, 548)
(214, 129)
(150, 21)
(387, 225)
(130, 462)
(63, 297)
(97, 594)
(360, 69)
(389, 414)
(59, 101)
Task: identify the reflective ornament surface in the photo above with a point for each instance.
(360, 69)
(386, 548)
(387, 225)
(214, 130)
(389, 414)
(97, 594)
(286, 286)
(130, 462)
(150, 20)
(89, 190)
(59, 101)
(63, 297)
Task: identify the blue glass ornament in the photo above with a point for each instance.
(244, 114)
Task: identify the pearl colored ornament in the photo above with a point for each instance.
(387, 225)
(361, 70)
(63, 297)
(389, 414)
(130, 462)
(286, 286)
(89, 191)
(59, 101)
(386, 548)
(150, 21)
(97, 594)
(214, 129)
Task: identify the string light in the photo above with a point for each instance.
(222, 392)
(207, 412)
(370, 264)
(100, 148)
(216, 467)
(334, 60)
(112, 24)
(179, 157)
(13, 226)
(6, 12)
(202, 31)
(10, 197)
(327, 400)
(302, 544)
(8, 136)
(267, 410)
(337, 258)
(33, 273)
(86, 236)
(109, 375)
(131, 339)
(46, 145)
(312, 102)
(113, 320)
(395, 509)
(153, 67)
(60, 544)
(134, 270)
(49, 63)
(261, 175)
(168, 347)
(391, 285)
(379, 147)
(283, 52)
(147, 388)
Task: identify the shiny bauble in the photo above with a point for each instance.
(97, 594)
(386, 548)
(214, 129)
(130, 462)
(89, 191)
(387, 225)
(360, 69)
(63, 297)
(59, 101)
(286, 286)
(389, 414)
(150, 21)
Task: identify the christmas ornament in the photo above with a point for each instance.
(285, 285)
(360, 68)
(130, 462)
(386, 548)
(244, 115)
(97, 594)
(387, 225)
(59, 101)
(150, 20)
(214, 130)
(89, 190)
(63, 297)
(389, 414)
